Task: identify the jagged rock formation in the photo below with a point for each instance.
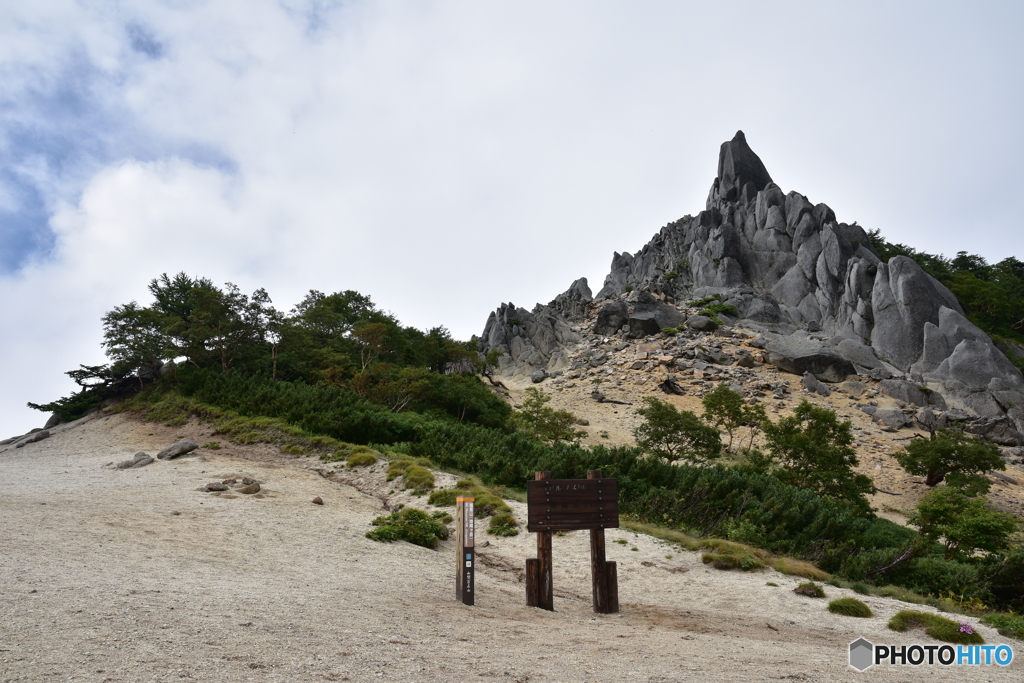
(814, 288)
(530, 342)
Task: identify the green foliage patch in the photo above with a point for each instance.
(939, 628)
(409, 524)
(503, 524)
(850, 607)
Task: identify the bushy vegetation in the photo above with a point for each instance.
(850, 607)
(409, 524)
(939, 628)
(952, 456)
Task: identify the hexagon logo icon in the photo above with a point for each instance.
(862, 654)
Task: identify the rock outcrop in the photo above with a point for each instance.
(788, 267)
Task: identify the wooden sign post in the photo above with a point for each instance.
(465, 559)
(569, 505)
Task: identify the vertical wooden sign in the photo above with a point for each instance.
(465, 531)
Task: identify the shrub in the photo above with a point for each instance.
(851, 607)
(410, 524)
(212, 445)
(736, 560)
(672, 434)
(503, 524)
(816, 451)
(361, 459)
(801, 568)
(442, 516)
(443, 497)
(959, 459)
(293, 449)
(669, 331)
(810, 589)
(415, 475)
(963, 524)
(860, 587)
(939, 628)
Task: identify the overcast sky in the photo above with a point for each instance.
(444, 157)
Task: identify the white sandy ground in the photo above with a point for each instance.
(135, 575)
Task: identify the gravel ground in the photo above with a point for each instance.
(135, 575)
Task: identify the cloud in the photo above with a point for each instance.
(444, 158)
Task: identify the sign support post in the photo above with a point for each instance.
(601, 577)
(465, 559)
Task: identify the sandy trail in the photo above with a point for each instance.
(136, 576)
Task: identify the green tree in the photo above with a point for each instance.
(815, 450)
(134, 339)
(673, 434)
(724, 408)
(954, 457)
(544, 422)
(962, 524)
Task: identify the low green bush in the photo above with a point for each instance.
(503, 524)
(442, 516)
(810, 589)
(740, 560)
(939, 628)
(443, 497)
(851, 607)
(361, 459)
(409, 524)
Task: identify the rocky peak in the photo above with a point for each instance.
(738, 167)
(783, 266)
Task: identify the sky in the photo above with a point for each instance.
(445, 157)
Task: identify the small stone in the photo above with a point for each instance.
(216, 486)
(249, 489)
(318, 501)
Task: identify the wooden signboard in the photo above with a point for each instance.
(572, 504)
(569, 505)
(465, 557)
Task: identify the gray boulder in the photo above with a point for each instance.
(177, 449)
(651, 316)
(141, 459)
(896, 419)
(799, 356)
(52, 422)
(538, 376)
(611, 318)
(33, 437)
(911, 394)
(701, 323)
(811, 384)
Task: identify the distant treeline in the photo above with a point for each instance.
(339, 346)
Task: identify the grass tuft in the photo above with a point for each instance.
(851, 607)
(939, 628)
(361, 459)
